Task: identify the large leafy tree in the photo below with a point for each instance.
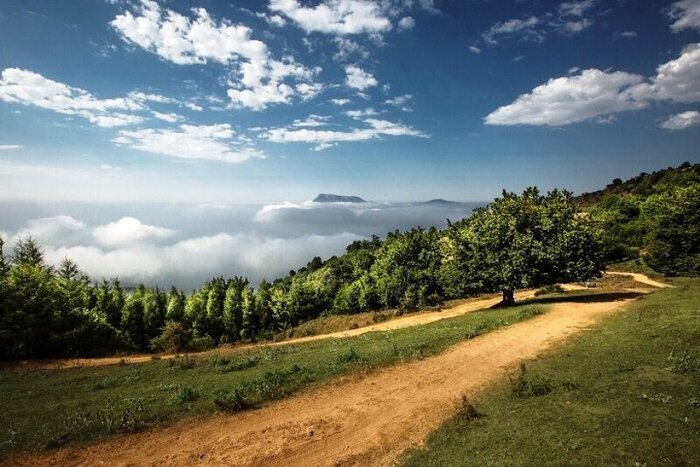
(673, 241)
(528, 240)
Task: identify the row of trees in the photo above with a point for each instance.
(526, 240)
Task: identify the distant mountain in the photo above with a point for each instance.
(331, 198)
(441, 202)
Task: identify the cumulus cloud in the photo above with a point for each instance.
(677, 80)
(203, 142)
(592, 94)
(359, 79)
(685, 15)
(335, 16)
(570, 99)
(61, 228)
(29, 88)
(326, 138)
(129, 230)
(682, 120)
(259, 80)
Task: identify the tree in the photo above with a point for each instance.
(673, 240)
(263, 306)
(251, 321)
(528, 241)
(176, 306)
(233, 309)
(132, 318)
(27, 251)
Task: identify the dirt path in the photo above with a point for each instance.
(640, 278)
(363, 420)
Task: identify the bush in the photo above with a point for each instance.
(232, 401)
(184, 394)
(175, 338)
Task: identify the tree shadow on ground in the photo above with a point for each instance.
(583, 298)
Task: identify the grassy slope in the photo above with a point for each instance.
(617, 398)
(48, 408)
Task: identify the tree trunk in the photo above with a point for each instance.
(508, 297)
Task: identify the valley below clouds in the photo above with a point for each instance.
(186, 244)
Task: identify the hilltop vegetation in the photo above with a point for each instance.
(655, 217)
(527, 240)
(517, 241)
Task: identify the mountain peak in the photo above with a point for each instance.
(332, 198)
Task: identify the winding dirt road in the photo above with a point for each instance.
(366, 420)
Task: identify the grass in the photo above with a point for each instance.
(625, 393)
(337, 323)
(50, 408)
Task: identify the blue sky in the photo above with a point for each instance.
(238, 101)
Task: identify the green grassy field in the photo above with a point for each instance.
(625, 393)
(49, 408)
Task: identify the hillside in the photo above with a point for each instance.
(645, 184)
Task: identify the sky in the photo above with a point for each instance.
(132, 117)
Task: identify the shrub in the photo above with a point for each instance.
(347, 357)
(231, 401)
(184, 394)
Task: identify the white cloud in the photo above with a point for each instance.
(677, 80)
(570, 99)
(129, 230)
(628, 34)
(524, 28)
(685, 14)
(335, 16)
(595, 93)
(29, 88)
(167, 117)
(682, 120)
(474, 49)
(272, 20)
(399, 101)
(10, 147)
(51, 230)
(347, 48)
(311, 121)
(359, 114)
(204, 142)
(357, 78)
(406, 23)
(339, 102)
(575, 8)
(324, 138)
(259, 79)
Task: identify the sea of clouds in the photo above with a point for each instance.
(184, 245)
